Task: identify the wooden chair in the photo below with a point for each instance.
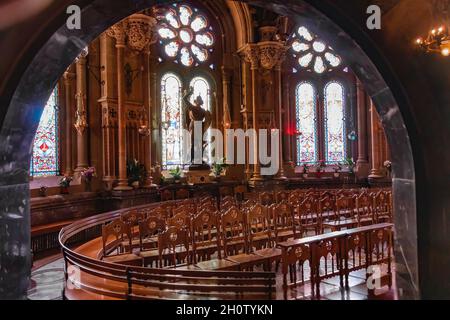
(345, 214)
(149, 229)
(282, 196)
(364, 210)
(182, 194)
(113, 251)
(283, 221)
(205, 236)
(266, 198)
(166, 195)
(261, 235)
(225, 191)
(308, 217)
(234, 239)
(132, 217)
(382, 207)
(160, 212)
(239, 192)
(327, 211)
(181, 220)
(173, 247)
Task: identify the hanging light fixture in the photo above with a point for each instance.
(438, 39)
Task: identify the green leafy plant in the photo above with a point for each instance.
(136, 171)
(350, 164)
(65, 181)
(176, 173)
(219, 166)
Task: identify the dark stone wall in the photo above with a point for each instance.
(409, 89)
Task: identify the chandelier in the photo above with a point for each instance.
(438, 40)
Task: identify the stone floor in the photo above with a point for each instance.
(47, 282)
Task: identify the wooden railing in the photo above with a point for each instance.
(89, 278)
(336, 254)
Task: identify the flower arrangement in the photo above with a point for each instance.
(338, 168)
(388, 165)
(88, 174)
(65, 181)
(219, 166)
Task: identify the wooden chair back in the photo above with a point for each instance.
(266, 198)
(166, 195)
(233, 231)
(132, 217)
(182, 194)
(382, 207)
(259, 228)
(181, 220)
(282, 196)
(309, 216)
(173, 246)
(364, 209)
(205, 235)
(150, 227)
(119, 231)
(345, 207)
(283, 221)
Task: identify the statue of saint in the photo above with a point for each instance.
(195, 113)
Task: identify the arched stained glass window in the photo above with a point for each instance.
(171, 115)
(202, 89)
(45, 160)
(335, 148)
(306, 124)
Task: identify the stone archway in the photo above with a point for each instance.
(25, 106)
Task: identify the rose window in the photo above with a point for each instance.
(312, 53)
(185, 34)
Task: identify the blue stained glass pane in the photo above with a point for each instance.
(306, 124)
(335, 143)
(45, 160)
(171, 115)
(202, 89)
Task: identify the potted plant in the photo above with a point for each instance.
(64, 184)
(218, 168)
(136, 173)
(176, 174)
(350, 165)
(305, 170)
(320, 166)
(88, 174)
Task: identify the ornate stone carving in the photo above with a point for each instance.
(117, 32)
(271, 54)
(251, 54)
(80, 115)
(140, 31)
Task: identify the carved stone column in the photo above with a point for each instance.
(251, 54)
(117, 31)
(362, 163)
(81, 123)
(279, 102)
(375, 172)
(69, 76)
(226, 82)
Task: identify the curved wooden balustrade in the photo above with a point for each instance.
(89, 278)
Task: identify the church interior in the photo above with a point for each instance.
(221, 149)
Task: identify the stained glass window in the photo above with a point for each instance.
(202, 89)
(171, 115)
(185, 34)
(335, 148)
(306, 124)
(312, 53)
(45, 160)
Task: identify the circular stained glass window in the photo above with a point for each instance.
(312, 53)
(185, 34)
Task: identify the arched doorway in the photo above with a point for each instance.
(25, 107)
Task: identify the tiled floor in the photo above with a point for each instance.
(47, 283)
